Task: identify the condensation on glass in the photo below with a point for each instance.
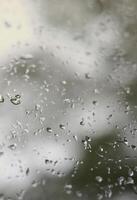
(68, 99)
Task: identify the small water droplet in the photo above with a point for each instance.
(68, 188)
(94, 102)
(96, 91)
(78, 194)
(1, 99)
(133, 147)
(49, 130)
(34, 184)
(82, 123)
(64, 82)
(108, 193)
(120, 180)
(16, 99)
(47, 161)
(37, 107)
(27, 171)
(129, 181)
(87, 76)
(99, 179)
(99, 196)
(62, 126)
(130, 172)
(127, 90)
(12, 146)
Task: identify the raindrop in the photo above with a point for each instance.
(108, 193)
(121, 180)
(12, 146)
(87, 76)
(82, 123)
(130, 172)
(48, 161)
(99, 196)
(64, 82)
(94, 102)
(37, 107)
(62, 126)
(130, 181)
(96, 91)
(34, 184)
(68, 188)
(1, 99)
(127, 90)
(75, 137)
(133, 147)
(16, 99)
(78, 194)
(99, 179)
(49, 130)
(27, 171)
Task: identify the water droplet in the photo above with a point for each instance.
(130, 172)
(47, 161)
(99, 179)
(12, 146)
(94, 102)
(78, 194)
(16, 99)
(34, 184)
(108, 193)
(64, 82)
(68, 188)
(1, 99)
(96, 91)
(129, 180)
(127, 90)
(87, 76)
(27, 171)
(121, 180)
(133, 147)
(99, 196)
(82, 123)
(62, 126)
(49, 130)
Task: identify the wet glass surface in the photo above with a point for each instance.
(68, 100)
